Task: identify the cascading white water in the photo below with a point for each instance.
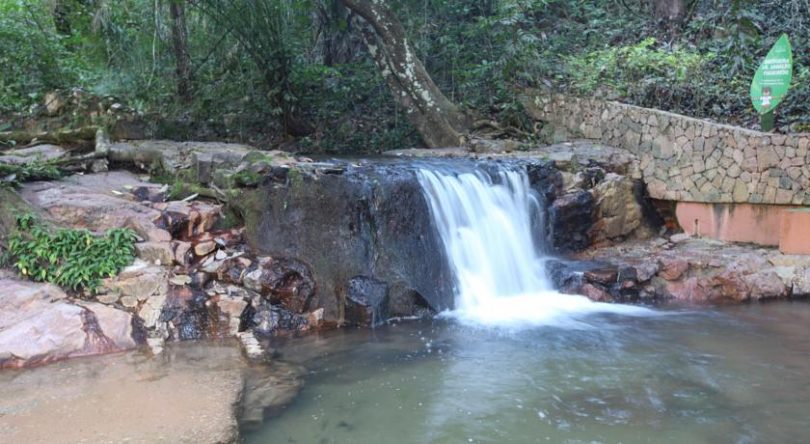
(486, 228)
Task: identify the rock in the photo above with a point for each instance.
(129, 301)
(595, 293)
(39, 325)
(205, 248)
(139, 281)
(180, 280)
(645, 271)
(801, 283)
(604, 276)
(233, 308)
(338, 223)
(90, 201)
(181, 252)
(275, 321)
(672, 268)
(617, 212)
(366, 302)
(251, 346)
(159, 253)
(570, 219)
(765, 285)
(679, 238)
(283, 281)
(268, 390)
(404, 301)
(42, 153)
(189, 316)
(191, 394)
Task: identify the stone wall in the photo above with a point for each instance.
(686, 159)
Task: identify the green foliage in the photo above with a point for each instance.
(73, 259)
(14, 175)
(33, 58)
(625, 69)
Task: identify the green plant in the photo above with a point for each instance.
(73, 259)
(14, 175)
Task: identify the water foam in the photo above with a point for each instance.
(485, 224)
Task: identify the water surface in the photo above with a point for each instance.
(736, 374)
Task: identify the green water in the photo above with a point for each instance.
(733, 375)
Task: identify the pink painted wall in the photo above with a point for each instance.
(758, 224)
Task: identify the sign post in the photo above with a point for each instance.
(772, 81)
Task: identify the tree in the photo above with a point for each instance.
(439, 121)
(669, 10)
(182, 58)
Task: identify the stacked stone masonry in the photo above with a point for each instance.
(686, 159)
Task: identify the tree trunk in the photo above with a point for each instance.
(669, 10)
(181, 54)
(440, 122)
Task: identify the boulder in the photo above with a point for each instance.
(345, 222)
(366, 302)
(288, 282)
(617, 212)
(38, 324)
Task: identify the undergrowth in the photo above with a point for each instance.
(73, 259)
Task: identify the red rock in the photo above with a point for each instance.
(672, 268)
(595, 293)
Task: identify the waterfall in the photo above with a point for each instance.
(485, 223)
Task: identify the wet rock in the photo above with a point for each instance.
(603, 276)
(268, 390)
(251, 346)
(570, 221)
(39, 325)
(404, 301)
(801, 283)
(595, 293)
(274, 320)
(283, 281)
(765, 285)
(189, 316)
(339, 223)
(366, 302)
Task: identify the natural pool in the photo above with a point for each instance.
(731, 374)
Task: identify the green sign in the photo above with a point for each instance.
(772, 80)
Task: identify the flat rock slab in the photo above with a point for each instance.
(188, 394)
(94, 201)
(38, 324)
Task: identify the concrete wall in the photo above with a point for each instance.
(686, 159)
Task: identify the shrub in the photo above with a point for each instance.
(73, 259)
